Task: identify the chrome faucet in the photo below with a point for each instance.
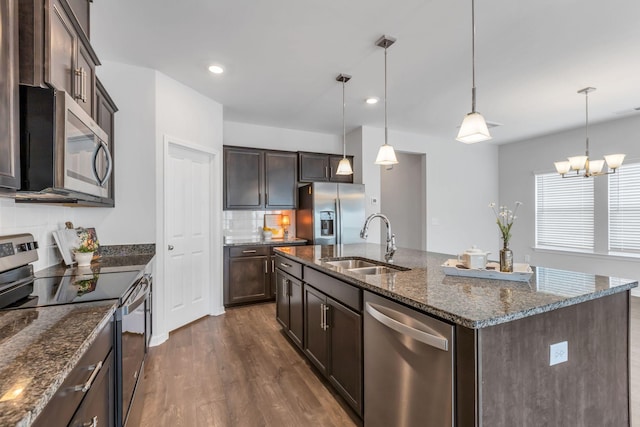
(391, 238)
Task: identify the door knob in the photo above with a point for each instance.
(170, 247)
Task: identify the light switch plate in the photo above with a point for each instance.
(558, 353)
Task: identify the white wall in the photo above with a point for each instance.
(403, 193)
(519, 162)
(461, 181)
(255, 136)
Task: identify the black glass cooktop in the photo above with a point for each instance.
(79, 285)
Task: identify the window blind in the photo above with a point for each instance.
(564, 212)
(624, 209)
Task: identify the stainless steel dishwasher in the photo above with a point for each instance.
(408, 367)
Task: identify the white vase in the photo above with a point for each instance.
(83, 258)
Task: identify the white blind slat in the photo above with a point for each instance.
(624, 209)
(564, 212)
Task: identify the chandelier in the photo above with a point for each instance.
(582, 165)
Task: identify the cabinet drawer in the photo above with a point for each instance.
(248, 251)
(291, 267)
(64, 403)
(337, 289)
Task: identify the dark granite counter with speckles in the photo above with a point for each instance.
(39, 347)
(470, 302)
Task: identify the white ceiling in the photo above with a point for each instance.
(282, 57)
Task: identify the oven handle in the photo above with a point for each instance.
(132, 306)
(102, 145)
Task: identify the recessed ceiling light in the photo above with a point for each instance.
(372, 100)
(216, 69)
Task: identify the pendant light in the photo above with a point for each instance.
(581, 164)
(344, 167)
(474, 127)
(386, 154)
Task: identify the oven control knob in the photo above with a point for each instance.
(22, 247)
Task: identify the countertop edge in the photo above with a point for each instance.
(274, 242)
(459, 320)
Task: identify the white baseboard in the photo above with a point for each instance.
(217, 311)
(158, 339)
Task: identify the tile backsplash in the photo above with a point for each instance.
(247, 225)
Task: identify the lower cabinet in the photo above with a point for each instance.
(289, 309)
(86, 397)
(333, 343)
(249, 273)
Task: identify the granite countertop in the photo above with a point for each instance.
(272, 242)
(104, 264)
(39, 348)
(470, 302)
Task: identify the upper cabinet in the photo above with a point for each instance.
(316, 167)
(9, 125)
(55, 49)
(259, 179)
(105, 112)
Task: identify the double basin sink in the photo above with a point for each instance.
(363, 266)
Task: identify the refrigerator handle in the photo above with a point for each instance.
(339, 222)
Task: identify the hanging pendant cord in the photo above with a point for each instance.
(586, 131)
(344, 131)
(473, 56)
(385, 95)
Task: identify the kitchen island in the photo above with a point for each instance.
(502, 333)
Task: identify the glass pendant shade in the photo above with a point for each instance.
(578, 162)
(563, 167)
(595, 166)
(614, 161)
(344, 167)
(386, 155)
(473, 129)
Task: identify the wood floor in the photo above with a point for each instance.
(238, 370)
(235, 370)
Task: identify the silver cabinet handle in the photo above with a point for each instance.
(326, 317)
(285, 265)
(82, 74)
(266, 266)
(92, 423)
(273, 269)
(86, 386)
(322, 316)
(247, 251)
(266, 198)
(170, 247)
(424, 337)
(284, 288)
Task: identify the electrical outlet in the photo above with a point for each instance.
(527, 258)
(558, 353)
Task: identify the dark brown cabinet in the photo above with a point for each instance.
(97, 407)
(316, 167)
(9, 124)
(289, 309)
(54, 50)
(247, 274)
(259, 179)
(333, 343)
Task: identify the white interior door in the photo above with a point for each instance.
(188, 214)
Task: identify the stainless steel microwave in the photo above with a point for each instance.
(65, 156)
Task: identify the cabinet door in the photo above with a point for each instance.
(243, 175)
(315, 335)
(296, 320)
(85, 81)
(9, 124)
(313, 167)
(333, 167)
(280, 180)
(105, 110)
(248, 279)
(62, 51)
(282, 299)
(80, 9)
(97, 407)
(345, 352)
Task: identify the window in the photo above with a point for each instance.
(624, 209)
(564, 212)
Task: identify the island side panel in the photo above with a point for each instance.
(518, 387)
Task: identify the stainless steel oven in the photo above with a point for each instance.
(132, 329)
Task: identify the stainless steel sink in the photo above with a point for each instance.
(377, 269)
(349, 264)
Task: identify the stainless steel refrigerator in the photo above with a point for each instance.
(330, 213)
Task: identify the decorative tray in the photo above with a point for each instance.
(521, 272)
